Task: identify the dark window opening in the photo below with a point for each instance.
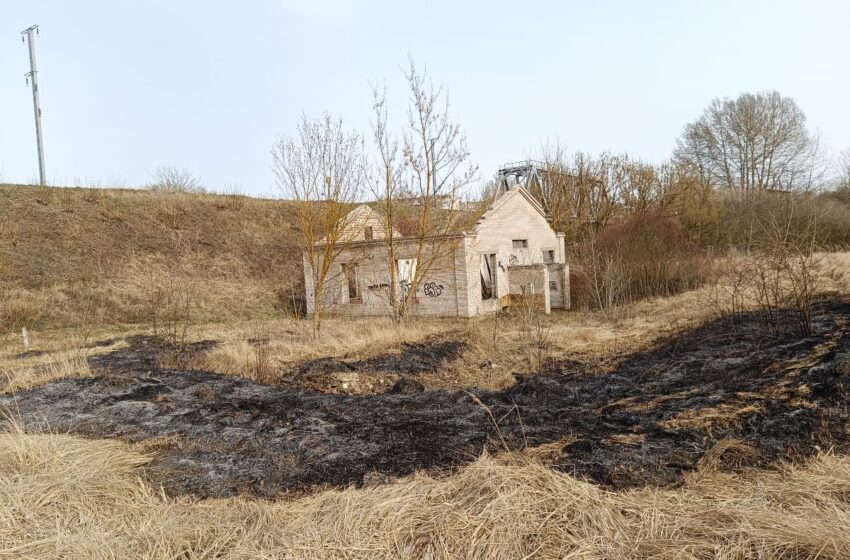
(367, 233)
(487, 270)
(520, 243)
(549, 256)
(353, 285)
(553, 285)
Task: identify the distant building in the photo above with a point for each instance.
(512, 254)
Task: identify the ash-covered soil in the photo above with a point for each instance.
(647, 420)
(377, 374)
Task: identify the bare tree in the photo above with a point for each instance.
(321, 168)
(843, 173)
(386, 186)
(170, 179)
(756, 141)
(580, 193)
(421, 175)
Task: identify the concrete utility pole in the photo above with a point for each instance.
(27, 35)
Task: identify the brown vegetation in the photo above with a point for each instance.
(106, 257)
(82, 499)
(644, 255)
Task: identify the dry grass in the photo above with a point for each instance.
(835, 272)
(108, 254)
(72, 363)
(53, 355)
(66, 497)
(710, 417)
(495, 350)
(284, 343)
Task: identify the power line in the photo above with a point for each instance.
(32, 78)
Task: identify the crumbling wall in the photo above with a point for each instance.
(529, 285)
(442, 290)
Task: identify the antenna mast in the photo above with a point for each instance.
(32, 77)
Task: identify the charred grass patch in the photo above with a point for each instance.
(647, 419)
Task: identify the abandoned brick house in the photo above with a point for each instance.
(511, 253)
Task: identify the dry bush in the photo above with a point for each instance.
(645, 255)
(768, 286)
(780, 273)
(233, 198)
(740, 219)
(173, 180)
(80, 499)
(534, 328)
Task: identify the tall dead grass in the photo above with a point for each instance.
(261, 350)
(53, 355)
(66, 497)
(59, 365)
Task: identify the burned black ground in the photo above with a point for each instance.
(393, 369)
(647, 420)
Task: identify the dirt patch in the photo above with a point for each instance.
(648, 420)
(376, 374)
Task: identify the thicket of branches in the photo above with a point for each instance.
(747, 177)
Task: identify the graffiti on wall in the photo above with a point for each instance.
(432, 289)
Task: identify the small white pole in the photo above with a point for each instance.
(26, 336)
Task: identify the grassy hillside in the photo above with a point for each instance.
(77, 255)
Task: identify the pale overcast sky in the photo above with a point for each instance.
(127, 86)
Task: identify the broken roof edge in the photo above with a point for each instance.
(503, 198)
(349, 219)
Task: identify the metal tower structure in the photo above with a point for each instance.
(520, 173)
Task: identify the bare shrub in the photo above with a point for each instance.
(601, 279)
(780, 272)
(729, 291)
(173, 180)
(259, 361)
(534, 326)
(788, 268)
(645, 255)
(233, 197)
(170, 295)
(291, 299)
